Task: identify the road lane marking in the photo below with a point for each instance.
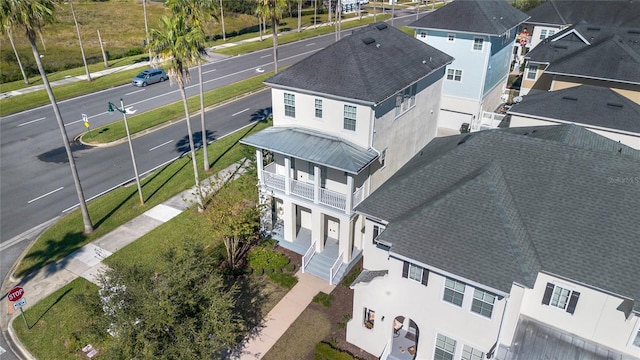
(73, 122)
(311, 44)
(31, 122)
(206, 72)
(163, 144)
(47, 194)
(265, 56)
(240, 112)
(134, 92)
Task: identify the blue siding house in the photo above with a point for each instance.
(480, 36)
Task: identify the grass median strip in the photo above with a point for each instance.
(115, 131)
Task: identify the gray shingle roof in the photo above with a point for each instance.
(599, 12)
(612, 53)
(489, 17)
(368, 275)
(371, 64)
(585, 104)
(313, 146)
(497, 206)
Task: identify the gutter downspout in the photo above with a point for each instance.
(494, 349)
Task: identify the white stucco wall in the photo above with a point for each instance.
(596, 317)
(626, 139)
(332, 121)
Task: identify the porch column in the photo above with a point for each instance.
(317, 229)
(316, 184)
(346, 238)
(260, 166)
(289, 219)
(287, 176)
(348, 209)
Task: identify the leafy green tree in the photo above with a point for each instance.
(182, 312)
(272, 10)
(31, 16)
(180, 43)
(234, 220)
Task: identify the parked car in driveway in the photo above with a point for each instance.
(150, 76)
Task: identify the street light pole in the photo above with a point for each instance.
(111, 108)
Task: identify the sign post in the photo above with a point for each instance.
(85, 118)
(16, 296)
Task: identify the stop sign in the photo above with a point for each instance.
(16, 293)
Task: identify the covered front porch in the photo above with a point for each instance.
(327, 264)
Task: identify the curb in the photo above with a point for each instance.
(167, 123)
(14, 337)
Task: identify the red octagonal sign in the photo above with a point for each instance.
(16, 293)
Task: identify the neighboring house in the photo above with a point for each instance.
(586, 54)
(344, 120)
(598, 109)
(552, 16)
(480, 36)
(507, 244)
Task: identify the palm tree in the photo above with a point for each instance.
(181, 45)
(13, 46)
(84, 58)
(299, 14)
(272, 10)
(32, 15)
(197, 12)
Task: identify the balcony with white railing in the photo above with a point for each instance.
(305, 190)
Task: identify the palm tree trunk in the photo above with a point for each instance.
(224, 34)
(202, 120)
(274, 26)
(84, 58)
(183, 93)
(299, 14)
(88, 226)
(24, 76)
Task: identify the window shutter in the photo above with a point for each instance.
(405, 270)
(573, 301)
(425, 276)
(547, 294)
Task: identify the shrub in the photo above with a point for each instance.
(268, 271)
(351, 276)
(325, 351)
(290, 267)
(343, 323)
(323, 299)
(262, 257)
(285, 280)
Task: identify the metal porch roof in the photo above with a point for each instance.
(314, 147)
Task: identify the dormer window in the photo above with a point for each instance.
(478, 44)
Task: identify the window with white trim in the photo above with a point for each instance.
(544, 33)
(289, 105)
(445, 348)
(636, 341)
(453, 291)
(415, 272)
(454, 74)
(376, 232)
(532, 72)
(319, 108)
(478, 44)
(469, 353)
(561, 297)
(451, 37)
(483, 302)
(383, 158)
(406, 99)
(350, 117)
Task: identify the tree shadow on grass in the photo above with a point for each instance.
(53, 251)
(50, 307)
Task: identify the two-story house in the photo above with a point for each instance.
(553, 16)
(344, 120)
(507, 244)
(480, 36)
(586, 54)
